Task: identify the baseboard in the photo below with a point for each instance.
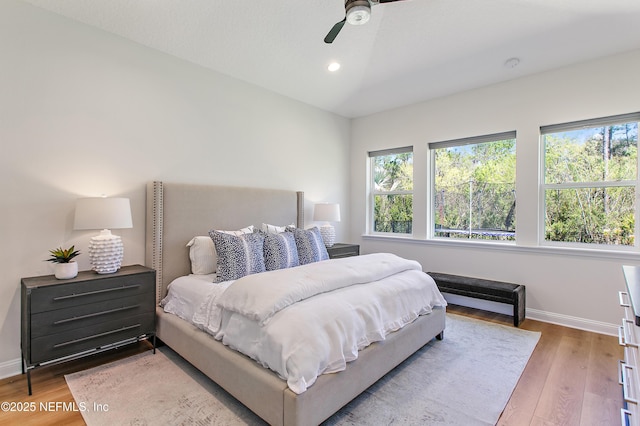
(10, 368)
(538, 315)
(573, 322)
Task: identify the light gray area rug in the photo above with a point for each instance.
(465, 379)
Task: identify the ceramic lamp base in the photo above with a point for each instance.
(106, 252)
(328, 233)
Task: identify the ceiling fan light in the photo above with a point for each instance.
(359, 14)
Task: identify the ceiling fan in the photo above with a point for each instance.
(357, 12)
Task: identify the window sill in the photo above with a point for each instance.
(511, 247)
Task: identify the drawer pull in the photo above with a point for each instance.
(95, 314)
(106, 333)
(89, 293)
(621, 295)
(626, 336)
(627, 385)
(625, 417)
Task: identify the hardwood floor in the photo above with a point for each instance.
(571, 379)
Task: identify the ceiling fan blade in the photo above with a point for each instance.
(387, 1)
(334, 31)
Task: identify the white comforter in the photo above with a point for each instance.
(310, 320)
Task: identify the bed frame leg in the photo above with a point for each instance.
(440, 336)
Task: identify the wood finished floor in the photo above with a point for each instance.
(571, 379)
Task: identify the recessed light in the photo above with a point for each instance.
(333, 66)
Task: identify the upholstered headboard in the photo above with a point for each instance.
(178, 212)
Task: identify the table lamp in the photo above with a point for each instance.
(105, 250)
(327, 212)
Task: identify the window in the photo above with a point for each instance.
(474, 191)
(590, 180)
(392, 190)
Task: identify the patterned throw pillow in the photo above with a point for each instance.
(310, 246)
(280, 251)
(238, 255)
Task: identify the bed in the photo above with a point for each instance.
(178, 212)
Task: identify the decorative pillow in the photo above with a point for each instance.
(280, 251)
(202, 252)
(238, 255)
(274, 229)
(309, 243)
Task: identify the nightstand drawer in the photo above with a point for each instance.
(73, 294)
(59, 345)
(61, 320)
(339, 250)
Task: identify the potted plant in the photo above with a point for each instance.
(65, 266)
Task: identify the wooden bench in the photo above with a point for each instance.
(495, 291)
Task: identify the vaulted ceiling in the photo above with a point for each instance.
(409, 51)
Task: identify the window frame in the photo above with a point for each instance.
(373, 193)
(544, 186)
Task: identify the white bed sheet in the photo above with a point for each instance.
(185, 294)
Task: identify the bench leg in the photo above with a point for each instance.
(519, 308)
(516, 315)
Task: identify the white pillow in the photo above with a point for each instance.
(274, 229)
(202, 252)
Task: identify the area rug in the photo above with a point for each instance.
(465, 379)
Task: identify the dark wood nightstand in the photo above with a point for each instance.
(67, 319)
(339, 250)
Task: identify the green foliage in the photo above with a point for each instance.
(475, 191)
(591, 212)
(61, 255)
(393, 174)
(393, 213)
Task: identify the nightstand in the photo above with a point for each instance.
(67, 319)
(339, 250)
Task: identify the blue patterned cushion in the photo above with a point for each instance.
(310, 246)
(280, 251)
(238, 255)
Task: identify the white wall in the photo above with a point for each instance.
(85, 113)
(569, 288)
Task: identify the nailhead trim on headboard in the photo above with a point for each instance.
(156, 249)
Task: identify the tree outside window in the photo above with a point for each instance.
(392, 190)
(474, 194)
(590, 181)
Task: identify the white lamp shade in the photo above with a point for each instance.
(326, 212)
(103, 213)
(106, 250)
